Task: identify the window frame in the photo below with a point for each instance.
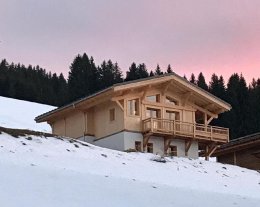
(173, 153)
(157, 98)
(113, 110)
(174, 100)
(138, 107)
(137, 144)
(149, 146)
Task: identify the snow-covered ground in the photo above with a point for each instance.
(48, 172)
(20, 114)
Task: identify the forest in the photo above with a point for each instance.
(33, 83)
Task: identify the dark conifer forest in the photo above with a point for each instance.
(33, 83)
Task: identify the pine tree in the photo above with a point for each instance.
(158, 70)
(169, 69)
(192, 79)
(132, 73)
(201, 82)
(151, 73)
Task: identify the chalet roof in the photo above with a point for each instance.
(240, 143)
(128, 83)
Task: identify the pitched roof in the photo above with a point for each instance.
(37, 119)
(238, 144)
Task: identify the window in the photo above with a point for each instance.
(172, 115)
(138, 146)
(171, 100)
(150, 147)
(112, 114)
(133, 107)
(173, 150)
(153, 113)
(153, 98)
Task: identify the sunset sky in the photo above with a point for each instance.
(221, 36)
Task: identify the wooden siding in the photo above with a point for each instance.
(243, 158)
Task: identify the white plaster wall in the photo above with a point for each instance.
(180, 147)
(194, 150)
(130, 138)
(88, 139)
(115, 142)
(158, 145)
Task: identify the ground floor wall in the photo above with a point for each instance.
(126, 140)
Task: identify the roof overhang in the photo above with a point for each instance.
(106, 94)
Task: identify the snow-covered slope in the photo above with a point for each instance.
(20, 114)
(46, 172)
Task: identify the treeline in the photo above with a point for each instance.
(85, 78)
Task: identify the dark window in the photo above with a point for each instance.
(173, 150)
(138, 146)
(150, 147)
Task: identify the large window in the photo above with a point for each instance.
(153, 113)
(172, 115)
(133, 107)
(153, 98)
(171, 100)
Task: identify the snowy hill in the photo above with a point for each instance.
(47, 172)
(20, 114)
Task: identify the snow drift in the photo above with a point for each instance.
(20, 114)
(47, 171)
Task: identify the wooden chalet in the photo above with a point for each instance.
(162, 114)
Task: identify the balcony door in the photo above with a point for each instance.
(154, 113)
(169, 125)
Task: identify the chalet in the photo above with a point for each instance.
(162, 114)
(244, 152)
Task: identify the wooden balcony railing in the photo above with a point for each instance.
(185, 129)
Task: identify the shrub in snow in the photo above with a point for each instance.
(130, 150)
(158, 158)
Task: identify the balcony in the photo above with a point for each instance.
(179, 129)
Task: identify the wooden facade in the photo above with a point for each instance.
(244, 152)
(166, 106)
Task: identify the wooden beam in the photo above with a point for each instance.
(167, 143)
(187, 146)
(210, 150)
(206, 153)
(145, 92)
(145, 141)
(209, 120)
(117, 98)
(208, 106)
(204, 110)
(120, 105)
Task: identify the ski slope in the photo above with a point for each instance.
(20, 114)
(46, 171)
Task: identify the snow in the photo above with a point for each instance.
(20, 114)
(53, 172)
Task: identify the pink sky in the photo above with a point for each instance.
(221, 36)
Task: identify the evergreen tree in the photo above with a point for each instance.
(201, 82)
(158, 70)
(169, 69)
(192, 79)
(132, 73)
(151, 73)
